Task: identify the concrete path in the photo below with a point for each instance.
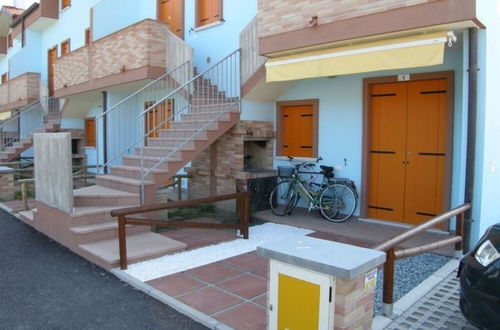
(45, 286)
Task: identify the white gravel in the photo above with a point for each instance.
(174, 263)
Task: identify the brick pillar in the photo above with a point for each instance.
(7, 187)
(353, 303)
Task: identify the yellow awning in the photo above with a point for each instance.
(4, 115)
(398, 53)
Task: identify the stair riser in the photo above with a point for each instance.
(204, 116)
(91, 219)
(135, 189)
(166, 134)
(169, 143)
(106, 201)
(133, 174)
(194, 125)
(107, 234)
(147, 163)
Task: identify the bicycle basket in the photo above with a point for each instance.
(285, 171)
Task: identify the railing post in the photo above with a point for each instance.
(179, 189)
(24, 196)
(459, 232)
(244, 216)
(388, 290)
(122, 241)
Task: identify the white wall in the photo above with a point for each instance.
(487, 169)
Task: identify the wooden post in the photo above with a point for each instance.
(24, 195)
(179, 189)
(388, 290)
(244, 210)
(459, 231)
(122, 241)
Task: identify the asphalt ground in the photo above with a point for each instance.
(43, 285)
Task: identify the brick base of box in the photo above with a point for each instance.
(7, 187)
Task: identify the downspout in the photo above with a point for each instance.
(471, 136)
(105, 130)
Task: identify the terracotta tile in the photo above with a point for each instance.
(261, 300)
(214, 272)
(175, 284)
(247, 286)
(193, 242)
(245, 317)
(209, 300)
(175, 234)
(262, 271)
(217, 237)
(247, 261)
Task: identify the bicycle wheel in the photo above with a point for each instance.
(283, 198)
(343, 205)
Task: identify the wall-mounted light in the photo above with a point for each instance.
(313, 21)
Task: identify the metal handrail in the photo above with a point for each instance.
(148, 93)
(28, 119)
(222, 77)
(389, 247)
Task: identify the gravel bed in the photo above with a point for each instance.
(409, 273)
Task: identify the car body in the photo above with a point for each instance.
(479, 274)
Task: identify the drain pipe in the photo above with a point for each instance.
(471, 136)
(105, 130)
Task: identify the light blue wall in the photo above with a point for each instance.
(252, 110)
(486, 210)
(219, 40)
(27, 59)
(123, 15)
(341, 114)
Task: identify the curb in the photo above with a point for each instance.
(407, 301)
(170, 301)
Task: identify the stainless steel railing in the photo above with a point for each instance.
(29, 119)
(118, 124)
(208, 96)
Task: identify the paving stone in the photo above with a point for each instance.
(438, 309)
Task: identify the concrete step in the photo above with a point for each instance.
(183, 134)
(121, 183)
(139, 247)
(135, 172)
(158, 151)
(170, 143)
(103, 231)
(104, 196)
(194, 124)
(203, 116)
(88, 215)
(149, 161)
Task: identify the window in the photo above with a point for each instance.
(5, 78)
(9, 41)
(65, 4)
(90, 131)
(208, 12)
(65, 47)
(297, 128)
(87, 36)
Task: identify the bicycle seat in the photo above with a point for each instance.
(326, 168)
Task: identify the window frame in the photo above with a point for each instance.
(10, 41)
(197, 22)
(87, 145)
(279, 125)
(88, 36)
(64, 42)
(65, 4)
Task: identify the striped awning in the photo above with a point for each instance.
(391, 54)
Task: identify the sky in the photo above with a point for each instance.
(17, 3)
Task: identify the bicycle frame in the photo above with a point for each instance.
(312, 197)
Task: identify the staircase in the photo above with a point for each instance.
(201, 110)
(16, 132)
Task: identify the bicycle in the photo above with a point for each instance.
(336, 199)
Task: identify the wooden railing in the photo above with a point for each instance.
(393, 254)
(134, 216)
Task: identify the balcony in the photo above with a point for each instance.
(317, 24)
(134, 53)
(37, 17)
(20, 91)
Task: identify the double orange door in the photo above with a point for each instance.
(408, 130)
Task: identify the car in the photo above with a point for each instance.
(479, 273)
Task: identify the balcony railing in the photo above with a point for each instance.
(20, 91)
(133, 53)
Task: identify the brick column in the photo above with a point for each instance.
(7, 187)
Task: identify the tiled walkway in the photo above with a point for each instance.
(233, 291)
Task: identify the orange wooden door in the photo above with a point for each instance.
(387, 151)
(158, 118)
(298, 130)
(408, 128)
(52, 55)
(426, 150)
(171, 12)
